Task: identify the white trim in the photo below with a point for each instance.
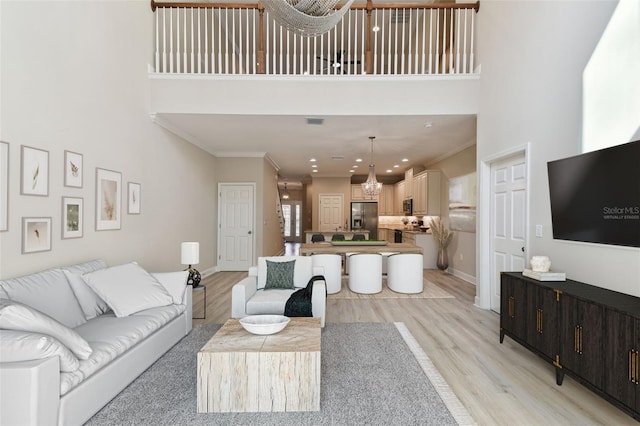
(209, 271)
(462, 275)
(483, 242)
(451, 401)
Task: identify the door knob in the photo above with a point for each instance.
(522, 249)
(249, 232)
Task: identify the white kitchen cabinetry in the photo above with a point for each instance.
(398, 197)
(409, 238)
(408, 183)
(426, 193)
(386, 201)
(357, 194)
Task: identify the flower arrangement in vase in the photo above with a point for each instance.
(442, 236)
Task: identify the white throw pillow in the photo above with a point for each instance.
(128, 289)
(18, 346)
(92, 305)
(174, 282)
(16, 316)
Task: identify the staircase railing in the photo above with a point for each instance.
(372, 39)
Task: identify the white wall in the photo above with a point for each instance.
(74, 77)
(533, 55)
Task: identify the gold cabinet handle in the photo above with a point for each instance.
(512, 309)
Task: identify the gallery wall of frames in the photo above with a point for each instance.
(38, 230)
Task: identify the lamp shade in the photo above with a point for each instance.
(190, 253)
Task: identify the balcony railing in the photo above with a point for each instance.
(372, 39)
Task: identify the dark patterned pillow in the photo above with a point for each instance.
(280, 275)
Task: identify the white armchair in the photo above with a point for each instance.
(249, 297)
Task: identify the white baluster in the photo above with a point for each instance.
(451, 32)
(473, 17)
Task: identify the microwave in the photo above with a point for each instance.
(407, 207)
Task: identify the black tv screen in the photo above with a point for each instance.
(595, 197)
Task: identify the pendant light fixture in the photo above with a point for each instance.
(372, 187)
(285, 194)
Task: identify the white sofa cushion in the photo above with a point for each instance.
(111, 337)
(48, 292)
(268, 302)
(92, 305)
(174, 282)
(301, 273)
(25, 346)
(15, 316)
(128, 288)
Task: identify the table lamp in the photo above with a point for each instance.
(190, 254)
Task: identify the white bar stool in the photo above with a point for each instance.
(404, 273)
(365, 273)
(332, 264)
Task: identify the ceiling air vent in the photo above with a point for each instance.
(337, 157)
(315, 121)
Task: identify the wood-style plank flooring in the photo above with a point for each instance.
(499, 384)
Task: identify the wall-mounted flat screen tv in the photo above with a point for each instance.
(595, 197)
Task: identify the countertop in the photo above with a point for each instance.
(357, 231)
(409, 231)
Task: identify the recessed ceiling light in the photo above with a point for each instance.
(312, 160)
(352, 171)
(389, 170)
(395, 166)
(375, 29)
(314, 166)
(355, 166)
(358, 160)
(315, 170)
(404, 160)
(428, 125)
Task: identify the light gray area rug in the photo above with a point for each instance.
(372, 374)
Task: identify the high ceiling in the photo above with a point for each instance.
(336, 144)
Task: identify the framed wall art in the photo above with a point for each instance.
(134, 190)
(34, 172)
(72, 217)
(4, 186)
(36, 234)
(108, 199)
(462, 203)
(73, 169)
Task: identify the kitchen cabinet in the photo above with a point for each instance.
(587, 332)
(408, 238)
(408, 183)
(398, 196)
(386, 201)
(621, 358)
(426, 193)
(357, 194)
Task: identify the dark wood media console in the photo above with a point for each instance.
(588, 332)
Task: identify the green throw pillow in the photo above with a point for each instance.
(280, 274)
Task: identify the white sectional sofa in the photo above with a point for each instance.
(128, 318)
(252, 295)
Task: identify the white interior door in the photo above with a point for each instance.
(508, 220)
(236, 236)
(331, 215)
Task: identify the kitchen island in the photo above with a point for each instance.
(348, 235)
(328, 248)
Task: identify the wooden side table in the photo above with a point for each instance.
(203, 289)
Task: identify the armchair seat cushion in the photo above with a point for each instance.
(269, 302)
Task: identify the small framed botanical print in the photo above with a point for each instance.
(134, 198)
(34, 173)
(72, 217)
(36, 234)
(73, 169)
(108, 199)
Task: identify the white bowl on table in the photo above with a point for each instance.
(264, 324)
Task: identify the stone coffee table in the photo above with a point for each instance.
(243, 372)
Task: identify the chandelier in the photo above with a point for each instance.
(285, 194)
(372, 187)
(309, 18)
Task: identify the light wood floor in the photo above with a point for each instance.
(498, 384)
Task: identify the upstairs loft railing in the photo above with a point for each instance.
(372, 39)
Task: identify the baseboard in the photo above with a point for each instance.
(463, 276)
(209, 271)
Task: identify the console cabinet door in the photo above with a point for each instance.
(542, 320)
(512, 306)
(621, 360)
(581, 342)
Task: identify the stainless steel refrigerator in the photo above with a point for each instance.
(365, 216)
